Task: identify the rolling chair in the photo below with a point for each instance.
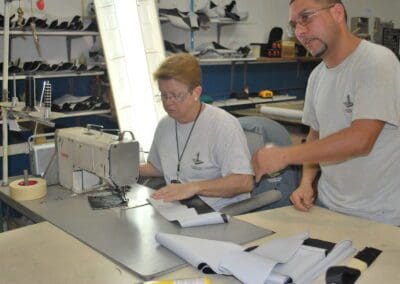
(269, 192)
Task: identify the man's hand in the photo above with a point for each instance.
(175, 191)
(268, 160)
(303, 197)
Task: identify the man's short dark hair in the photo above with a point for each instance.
(326, 1)
(329, 2)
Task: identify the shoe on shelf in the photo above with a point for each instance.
(75, 24)
(174, 47)
(183, 20)
(66, 66)
(95, 68)
(31, 66)
(91, 26)
(2, 20)
(79, 68)
(29, 21)
(53, 25)
(13, 69)
(62, 26)
(41, 23)
(212, 10)
(44, 67)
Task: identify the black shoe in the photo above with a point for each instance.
(29, 21)
(65, 66)
(92, 26)
(75, 24)
(62, 26)
(13, 69)
(53, 25)
(96, 68)
(31, 66)
(41, 23)
(174, 48)
(43, 67)
(230, 11)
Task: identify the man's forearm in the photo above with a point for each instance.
(310, 171)
(348, 143)
(226, 186)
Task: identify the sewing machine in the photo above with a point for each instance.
(89, 158)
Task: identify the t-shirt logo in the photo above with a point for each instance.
(197, 160)
(348, 105)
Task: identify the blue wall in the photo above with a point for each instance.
(287, 78)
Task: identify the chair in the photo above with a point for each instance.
(269, 192)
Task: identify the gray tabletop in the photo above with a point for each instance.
(126, 236)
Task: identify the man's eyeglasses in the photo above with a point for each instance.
(305, 18)
(175, 97)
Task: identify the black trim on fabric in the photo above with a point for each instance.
(341, 275)
(319, 244)
(368, 255)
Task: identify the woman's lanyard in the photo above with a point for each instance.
(178, 167)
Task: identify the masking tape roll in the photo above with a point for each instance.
(36, 188)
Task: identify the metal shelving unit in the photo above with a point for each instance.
(7, 107)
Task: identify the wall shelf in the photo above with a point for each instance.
(251, 101)
(59, 74)
(15, 33)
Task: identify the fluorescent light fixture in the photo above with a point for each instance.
(133, 47)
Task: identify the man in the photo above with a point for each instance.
(352, 106)
(198, 148)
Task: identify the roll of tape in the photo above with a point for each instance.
(36, 188)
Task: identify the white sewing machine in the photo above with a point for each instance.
(88, 158)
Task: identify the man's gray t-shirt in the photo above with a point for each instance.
(364, 86)
(217, 148)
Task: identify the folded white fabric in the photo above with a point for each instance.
(274, 262)
(199, 251)
(203, 219)
(257, 265)
(281, 250)
(340, 252)
(305, 258)
(186, 217)
(247, 267)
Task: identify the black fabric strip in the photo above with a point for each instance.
(342, 275)
(319, 244)
(201, 265)
(249, 249)
(225, 218)
(368, 255)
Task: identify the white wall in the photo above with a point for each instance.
(53, 49)
(264, 15)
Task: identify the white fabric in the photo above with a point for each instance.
(340, 252)
(305, 263)
(197, 251)
(305, 258)
(281, 250)
(217, 148)
(186, 217)
(247, 267)
(364, 86)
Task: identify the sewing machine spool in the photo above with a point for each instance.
(34, 188)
